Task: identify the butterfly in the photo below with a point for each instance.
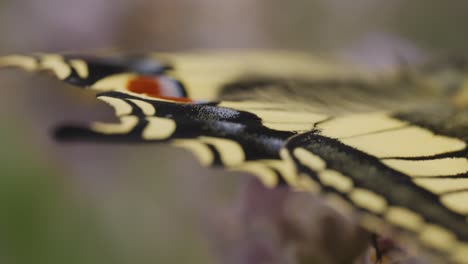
(391, 146)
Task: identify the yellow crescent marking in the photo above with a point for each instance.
(288, 168)
(353, 125)
(437, 237)
(120, 106)
(305, 183)
(56, 64)
(404, 218)
(267, 176)
(331, 178)
(340, 204)
(457, 202)
(158, 128)
(405, 142)
(80, 67)
(288, 173)
(438, 167)
(23, 62)
(147, 108)
(200, 150)
(336, 180)
(460, 98)
(309, 159)
(231, 152)
(371, 222)
(113, 82)
(460, 253)
(441, 185)
(368, 200)
(127, 123)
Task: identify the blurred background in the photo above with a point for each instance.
(92, 203)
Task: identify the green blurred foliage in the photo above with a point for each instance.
(39, 221)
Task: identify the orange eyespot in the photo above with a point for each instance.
(151, 86)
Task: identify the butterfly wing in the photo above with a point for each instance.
(393, 149)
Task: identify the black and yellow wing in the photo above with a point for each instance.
(392, 147)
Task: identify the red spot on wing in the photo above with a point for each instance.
(145, 85)
(151, 86)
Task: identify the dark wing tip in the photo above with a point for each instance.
(73, 133)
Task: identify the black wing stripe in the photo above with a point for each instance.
(456, 176)
(453, 154)
(355, 164)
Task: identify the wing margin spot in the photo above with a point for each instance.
(336, 180)
(306, 183)
(327, 177)
(437, 237)
(27, 63)
(121, 108)
(231, 152)
(57, 64)
(80, 67)
(368, 200)
(159, 128)
(199, 149)
(147, 108)
(309, 159)
(405, 218)
(260, 170)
